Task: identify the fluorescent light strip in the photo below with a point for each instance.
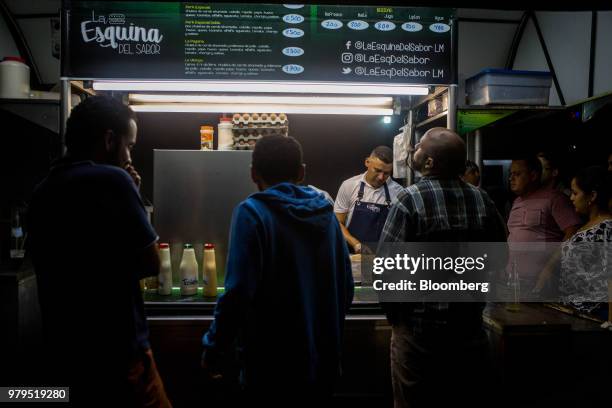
(264, 108)
(385, 102)
(262, 86)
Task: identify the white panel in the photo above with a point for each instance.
(603, 54)
(484, 13)
(530, 57)
(568, 38)
(7, 45)
(482, 45)
(37, 32)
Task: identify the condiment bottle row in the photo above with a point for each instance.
(188, 272)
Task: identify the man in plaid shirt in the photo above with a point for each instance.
(438, 348)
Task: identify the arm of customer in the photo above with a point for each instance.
(137, 236)
(148, 261)
(569, 232)
(342, 207)
(552, 263)
(568, 221)
(565, 216)
(241, 275)
(398, 228)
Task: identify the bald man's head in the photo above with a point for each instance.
(441, 152)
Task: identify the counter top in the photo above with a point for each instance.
(535, 317)
(365, 302)
(531, 317)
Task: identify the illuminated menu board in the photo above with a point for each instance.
(277, 42)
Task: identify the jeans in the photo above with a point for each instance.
(441, 369)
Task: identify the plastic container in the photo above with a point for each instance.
(189, 272)
(165, 271)
(226, 137)
(206, 137)
(14, 78)
(507, 87)
(210, 271)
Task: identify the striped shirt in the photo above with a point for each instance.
(441, 210)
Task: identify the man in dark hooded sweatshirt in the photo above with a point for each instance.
(288, 284)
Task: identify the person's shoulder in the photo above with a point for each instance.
(546, 194)
(349, 184)
(606, 225)
(112, 175)
(394, 185)
(251, 206)
(111, 171)
(99, 171)
(423, 184)
(477, 191)
(414, 188)
(408, 193)
(555, 194)
(353, 180)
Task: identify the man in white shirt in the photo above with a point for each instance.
(363, 201)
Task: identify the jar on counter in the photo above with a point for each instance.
(226, 137)
(210, 271)
(165, 270)
(14, 78)
(189, 271)
(206, 137)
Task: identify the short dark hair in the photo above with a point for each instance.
(471, 167)
(532, 163)
(89, 121)
(384, 153)
(277, 159)
(598, 179)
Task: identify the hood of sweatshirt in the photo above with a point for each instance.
(303, 204)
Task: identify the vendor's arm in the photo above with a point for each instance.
(350, 240)
(342, 206)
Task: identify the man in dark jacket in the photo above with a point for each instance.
(91, 243)
(288, 284)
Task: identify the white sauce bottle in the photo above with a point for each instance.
(189, 272)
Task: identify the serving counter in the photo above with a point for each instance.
(177, 323)
(543, 355)
(535, 351)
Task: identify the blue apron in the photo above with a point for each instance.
(369, 219)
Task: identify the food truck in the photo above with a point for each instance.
(341, 79)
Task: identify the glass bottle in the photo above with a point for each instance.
(189, 271)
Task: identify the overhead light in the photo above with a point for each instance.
(381, 101)
(262, 86)
(387, 119)
(263, 108)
